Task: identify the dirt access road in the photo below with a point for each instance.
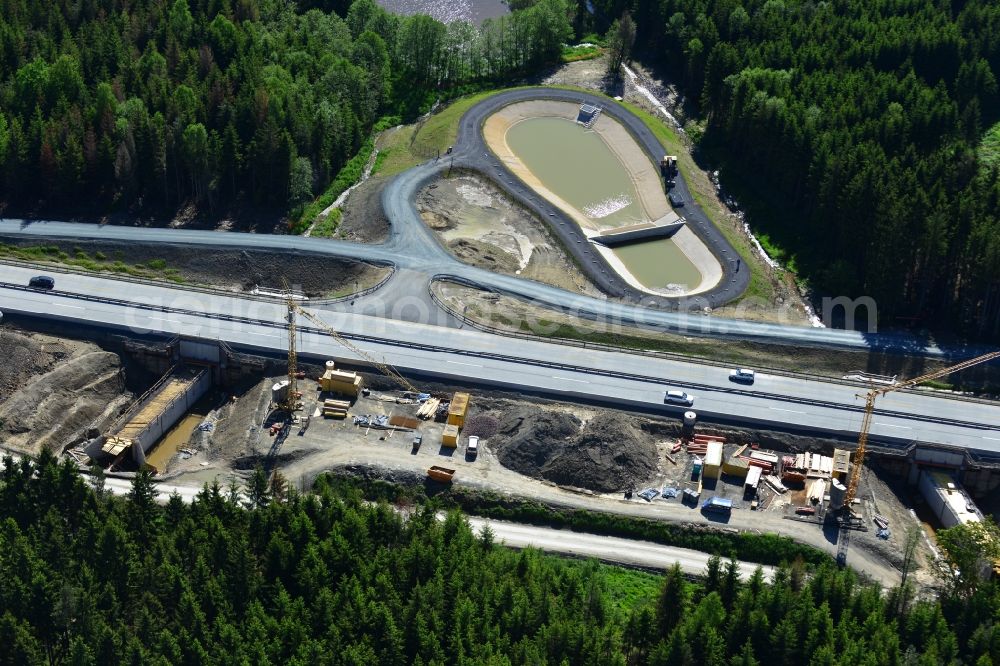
(486, 473)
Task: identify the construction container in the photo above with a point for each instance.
(279, 392)
(458, 408)
(736, 466)
(449, 437)
(443, 474)
(838, 493)
(339, 381)
(841, 462)
(754, 475)
(713, 460)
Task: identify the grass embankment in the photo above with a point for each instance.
(154, 269)
(746, 546)
(408, 146)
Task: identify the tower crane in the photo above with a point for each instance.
(291, 402)
(295, 309)
(866, 422)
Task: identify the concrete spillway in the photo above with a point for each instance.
(665, 227)
(157, 411)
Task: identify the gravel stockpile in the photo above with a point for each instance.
(605, 455)
(482, 425)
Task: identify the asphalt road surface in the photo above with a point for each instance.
(615, 379)
(413, 247)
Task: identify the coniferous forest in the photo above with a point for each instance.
(325, 578)
(852, 130)
(149, 104)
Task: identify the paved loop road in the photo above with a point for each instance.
(413, 247)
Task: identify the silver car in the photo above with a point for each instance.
(678, 398)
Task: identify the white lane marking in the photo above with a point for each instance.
(791, 411)
(65, 305)
(889, 425)
(995, 439)
(172, 321)
(471, 365)
(570, 379)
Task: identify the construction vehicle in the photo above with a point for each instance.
(848, 518)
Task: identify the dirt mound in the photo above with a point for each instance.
(482, 425)
(239, 270)
(605, 455)
(52, 407)
(484, 255)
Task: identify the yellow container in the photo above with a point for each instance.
(449, 437)
(457, 409)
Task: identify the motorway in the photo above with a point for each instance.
(615, 379)
(419, 258)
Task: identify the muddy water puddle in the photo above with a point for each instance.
(176, 439)
(576, 165)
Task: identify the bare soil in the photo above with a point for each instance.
(362, 218)
(483, 227)
(561, 454)
(235, 270)
(605, 455)
(53, 389)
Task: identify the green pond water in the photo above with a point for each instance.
(657, 263)
(578, 166)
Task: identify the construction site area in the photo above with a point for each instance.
(196, 412)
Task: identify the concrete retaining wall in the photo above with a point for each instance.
(626, 237)
(170, 414)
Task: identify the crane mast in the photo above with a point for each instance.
(291, 402)
(866, 421)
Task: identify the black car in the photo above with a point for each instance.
(675, 200)
(42, 282)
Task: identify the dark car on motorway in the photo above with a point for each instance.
(742, 376)
(675, 200)
(42, 282)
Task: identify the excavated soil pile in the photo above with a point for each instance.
(53, 390)
(239, 270)
(605, 455)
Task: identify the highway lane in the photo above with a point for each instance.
(412, 246)
(405, 251)
(612, 378)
